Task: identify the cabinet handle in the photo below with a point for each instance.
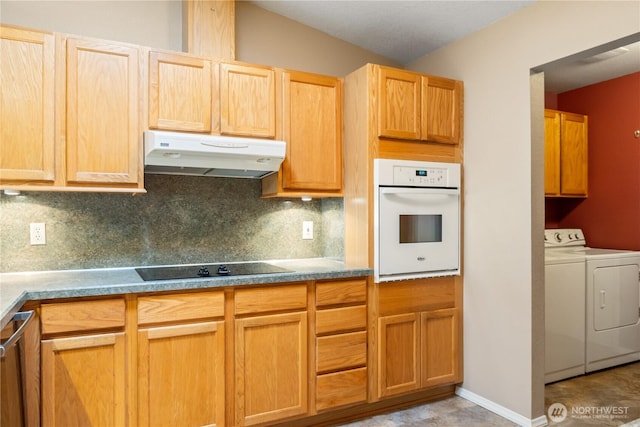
(602, 299)
(26, 317)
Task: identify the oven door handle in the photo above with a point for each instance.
(26, 317)
(421, 191)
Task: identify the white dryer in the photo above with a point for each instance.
(612, 302)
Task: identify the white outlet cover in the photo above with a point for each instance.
(307, 230)
(37, 233)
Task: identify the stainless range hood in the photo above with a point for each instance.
(173, 153)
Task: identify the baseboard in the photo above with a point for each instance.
(501, 410)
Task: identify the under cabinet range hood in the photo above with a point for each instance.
(173, 153)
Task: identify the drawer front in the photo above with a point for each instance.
(341, 292)
(341, 319)
(416, 295)
(341, 388)
(82, 316)
(180, 307)
(341, 351)
(274, 298)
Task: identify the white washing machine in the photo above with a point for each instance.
(565, 302)
(612, 282)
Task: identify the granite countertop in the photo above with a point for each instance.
(18, 288)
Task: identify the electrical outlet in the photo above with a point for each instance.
(38, 236)
(307, 230)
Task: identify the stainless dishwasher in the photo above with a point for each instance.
(12, 391)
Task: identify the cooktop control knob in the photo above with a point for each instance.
(223, 270)
(204, 272)
(558, 237)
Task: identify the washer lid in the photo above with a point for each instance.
(593, 253)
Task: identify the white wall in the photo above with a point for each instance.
(262, 37)
(504, 212)
(155, 23)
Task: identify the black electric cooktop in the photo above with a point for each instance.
(207, 270)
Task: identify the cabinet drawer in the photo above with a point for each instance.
(341, 319)
(180, 307)
(416, 295)
(82, 316)
(341, 351)
(274, 298)
(341, 388)
(342, 292)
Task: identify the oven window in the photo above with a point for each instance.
(420, 228)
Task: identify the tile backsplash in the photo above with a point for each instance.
(180, 220)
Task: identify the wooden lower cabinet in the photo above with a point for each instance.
(439, 347)
(398, 354)
(292, 353)
(271, 368)
(417, 350)
(181, 375)
(83, 381)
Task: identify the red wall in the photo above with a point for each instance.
(610, 216)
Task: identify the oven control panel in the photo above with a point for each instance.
(409, 173)
(420, 177)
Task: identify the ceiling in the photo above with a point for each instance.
(404, 31)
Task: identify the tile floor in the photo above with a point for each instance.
(606, 398)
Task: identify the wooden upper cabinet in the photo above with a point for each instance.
(418, 107)
(566, 144)
(209, 28)
(26, 105)
(573, 154)
(103, 127)
(180, 95)
(312, 124)
(441, 109)
(399, 103)
(247, 100)
(551, 152)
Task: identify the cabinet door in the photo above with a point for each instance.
(441, 110)
(551, 152)
(439, 347)
(103, 132)
(399, 103)
(271, 368)
(179, 92)
(398, 354)
(181, 375)
(83, 381)
(312, 119)
(247, 100)
(26, 105)
(573, 154)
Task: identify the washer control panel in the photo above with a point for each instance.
(559, 237)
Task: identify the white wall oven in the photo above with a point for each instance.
(416, 219)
